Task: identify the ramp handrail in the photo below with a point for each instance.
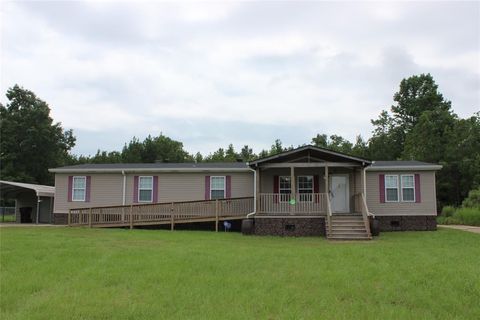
(160, 212)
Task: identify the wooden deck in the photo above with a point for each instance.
(170, 213)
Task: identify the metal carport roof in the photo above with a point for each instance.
(10, 188)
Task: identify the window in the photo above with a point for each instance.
(285, 188)
(145, 189)
(305, 188)
(391, 188)
(408, 188)
(79, 188)
(217, 187)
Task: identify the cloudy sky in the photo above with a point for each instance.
(214, 73)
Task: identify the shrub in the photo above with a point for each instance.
(473, 199)
(448, 211)
(469, 216)
(448, 220)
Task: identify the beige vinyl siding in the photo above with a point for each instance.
(426, 207)
(107, 188)
(191, 186)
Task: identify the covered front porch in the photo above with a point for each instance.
(309, 189)
(311, 182)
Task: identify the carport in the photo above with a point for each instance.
(33, 202)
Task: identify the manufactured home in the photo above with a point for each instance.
(308, 191)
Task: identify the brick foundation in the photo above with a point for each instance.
(290, 227)
(407, 223)
(60, 218)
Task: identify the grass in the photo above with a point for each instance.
(75, 273)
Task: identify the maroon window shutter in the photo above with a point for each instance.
(135, 189)
(88, 187)
(229, 187)
(70, 186)
(155, 189)
(381, 186)
(276, 188)
(207, 187)
(418, 196)
(316, 187)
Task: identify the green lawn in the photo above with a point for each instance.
(73, 273)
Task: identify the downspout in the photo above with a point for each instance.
(38, 208)
(124, 186)
(254, 193)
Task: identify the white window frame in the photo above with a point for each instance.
(401, 186)
(84, 188)
(139, 188)
(284, 198)
(298, 188)
(224, 186)
(398, 187)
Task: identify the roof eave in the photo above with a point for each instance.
(142, 170)
(405, 168)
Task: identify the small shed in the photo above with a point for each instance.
(33, 202)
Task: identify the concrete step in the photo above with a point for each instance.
(347, 217)
(349, 238)
(348, 232)
(348, 223)
(340, 229)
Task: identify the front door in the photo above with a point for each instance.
(339, 193)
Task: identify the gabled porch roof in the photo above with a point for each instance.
(310, 154)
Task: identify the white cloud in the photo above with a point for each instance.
(242, 72)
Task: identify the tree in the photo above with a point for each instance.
(334, 142)
(321, 140)
(386, 142)
(106, 157)
(230, 154)
(276, 148)
(360, 148)
(155, 149)
(217, 156)
(423, 127)
(461, 161)
(132, 153)
(246, 154)
(198, 157)
(417, 94)
(31, 142)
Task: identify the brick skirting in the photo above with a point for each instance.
(407, 223)
(290, 227)
(60, 218)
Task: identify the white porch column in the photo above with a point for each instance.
(257, 190)
(292, 188)
(292, 181)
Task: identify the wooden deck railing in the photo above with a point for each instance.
(303, 204)
(161, 213)
(329, 214)
(360, 205)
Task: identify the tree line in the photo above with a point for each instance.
(419, 125)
